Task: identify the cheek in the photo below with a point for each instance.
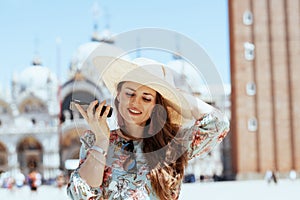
(122, 105)
(123, 99)
(149, 109)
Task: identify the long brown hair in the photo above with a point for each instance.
(164, 151)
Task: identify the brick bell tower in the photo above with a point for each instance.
(265, 79)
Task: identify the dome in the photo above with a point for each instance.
(36, 77)
(81, 54)
(82, 58)
(93, 48)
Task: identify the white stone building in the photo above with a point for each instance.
(29, 122)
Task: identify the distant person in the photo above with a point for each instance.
(60, 181)
(274, 178)
(271, 176)
(292, 175)
(34, 180)
(202, 178)
(189, 178)
(20, 179)
(9, 182)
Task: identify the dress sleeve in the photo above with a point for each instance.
(77, 187)
(204, 134)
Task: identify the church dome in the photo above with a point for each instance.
(81, 54)
(36, 77)
(82, 58)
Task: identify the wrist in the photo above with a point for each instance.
(97, 156)
(102, 144)
(99, 150)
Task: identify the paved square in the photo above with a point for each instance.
(231, 190)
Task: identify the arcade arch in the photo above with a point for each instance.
(30, 154)
(3, 157)
(32, 105)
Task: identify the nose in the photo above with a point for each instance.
(135, 100)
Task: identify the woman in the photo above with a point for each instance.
(160, 129)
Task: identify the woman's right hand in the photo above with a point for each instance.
(97, 123)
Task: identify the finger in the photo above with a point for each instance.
(106, 111)
(90, 109)
(81, 111)
(98, 111)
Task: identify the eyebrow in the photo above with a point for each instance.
(146, 93)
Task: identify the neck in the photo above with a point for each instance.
(133, 131)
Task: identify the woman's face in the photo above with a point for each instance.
(136, 102)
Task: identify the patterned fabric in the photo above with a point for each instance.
(203, 135)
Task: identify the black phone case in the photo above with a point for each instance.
(85, 105)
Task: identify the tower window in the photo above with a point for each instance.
(248, 18)
(251, 88)
(252, 124)
(249, 50)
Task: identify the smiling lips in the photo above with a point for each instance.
(134, 111)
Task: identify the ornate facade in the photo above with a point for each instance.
(29, 122)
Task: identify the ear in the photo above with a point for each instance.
(118, 97)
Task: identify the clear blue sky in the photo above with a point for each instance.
(30, 26)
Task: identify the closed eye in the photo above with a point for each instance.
(147, 99)
(129, 94)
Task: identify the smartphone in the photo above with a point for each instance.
(85, 105)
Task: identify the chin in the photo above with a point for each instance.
(135, 122)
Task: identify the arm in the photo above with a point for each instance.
(93, 167)
(78, 188)
(86, 180)
(209, 128)
(208, 131)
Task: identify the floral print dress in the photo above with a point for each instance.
(203, 135)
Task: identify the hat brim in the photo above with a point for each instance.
(116, 70)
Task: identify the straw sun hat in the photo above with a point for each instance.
(147, 72)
